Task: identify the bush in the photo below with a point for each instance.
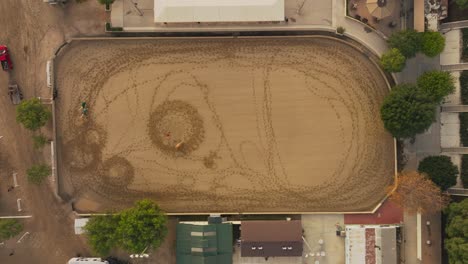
(406, 111)
(393, 60)
(464, 86)
(9, 228)
(464, 170)
(463, 117)
(462, 4)
(39, 141)
(32, 114)
(109, 27)
(407, 41)
(465, 43)
(37, 173)
(433, 43)
(440, 170)
(340, 30)
(104, 2)
(436, 84)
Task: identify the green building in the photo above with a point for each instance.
(204, 244)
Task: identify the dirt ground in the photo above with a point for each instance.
(244, 125)
(32, 30)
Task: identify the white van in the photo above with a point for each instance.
(87, 261)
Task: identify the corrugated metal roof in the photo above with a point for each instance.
(204, 244)
(271, 238)
(371, 244)
(218, 10)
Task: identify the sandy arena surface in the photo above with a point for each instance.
(264, 125)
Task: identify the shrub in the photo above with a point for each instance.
(463, 117)
(109, 27)
(464, 170)
(465, 43)
(464, 86)
(104, 2)
(340, 30)
(37, 173)
(462, 4)
(406, 111)
(9, 228)
(39, 141)
(440, 170)
(436, 84)
(433, 43)
(32, 114)
(393, 60)
(407, 41)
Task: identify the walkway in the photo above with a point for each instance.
(455, 108)
(454, 25)
(455, 67)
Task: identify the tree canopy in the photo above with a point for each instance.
(393, 60)
(37, 173)
(462, 4)
(406, 111)
(456, 242)
(135, 229)
(101, 232)
(407, 41)
(436, 84)
(417, 193)
(9, 228)
(440, 170)
(32, 114)
(432, 43)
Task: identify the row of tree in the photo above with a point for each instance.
(406, 43)
(456, 241)
(409, 109)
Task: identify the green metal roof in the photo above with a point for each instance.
(212, 244)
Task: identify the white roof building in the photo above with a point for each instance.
(218, 10)
(371, 244)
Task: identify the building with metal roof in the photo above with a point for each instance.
(278, 238)
(218, 10)
(204, 243)
(371, 244)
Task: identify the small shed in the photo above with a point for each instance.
(278, 238)
(79, 225)
(204, 243)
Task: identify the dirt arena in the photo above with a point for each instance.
(260, 125)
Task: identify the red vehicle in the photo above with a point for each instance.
(5, 58)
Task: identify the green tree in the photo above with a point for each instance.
(39, 141)
(406, 111)
(9, 228)
(456, 242)
(135, 229)
(407, 41)
(433, 43)
(37, 173)
(436, 84)
(440, 170)
(32, 114)
(462, 4)
(101, 233)
(142, 226)
(393, 60)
